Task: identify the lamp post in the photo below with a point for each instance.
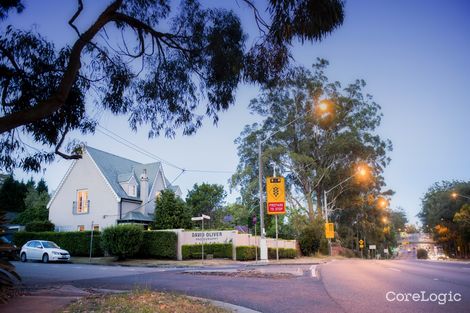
(323, 107)
(455, 195)
(361, 171)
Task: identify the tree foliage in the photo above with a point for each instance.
(446, 216)
(12, 195)
(35, 202)
(171, 212)
(313, 151)
(155, 63)
(205, 199)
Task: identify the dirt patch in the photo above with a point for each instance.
(140, 302)
(247, 273)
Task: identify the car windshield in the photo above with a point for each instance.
(49, 244)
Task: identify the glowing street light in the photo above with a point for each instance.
(455, 195)
(362, 171)
(324, 107)
(382, 203)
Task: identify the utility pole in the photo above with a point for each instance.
(262, 243)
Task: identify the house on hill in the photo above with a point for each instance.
(104, 189)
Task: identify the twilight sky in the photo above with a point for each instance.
(414, 56)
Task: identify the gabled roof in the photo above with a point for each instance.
(118, 169)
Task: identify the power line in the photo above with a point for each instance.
(147, 153)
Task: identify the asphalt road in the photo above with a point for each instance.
(344, 286)
(371, 286)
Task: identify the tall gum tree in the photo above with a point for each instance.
(314, 150)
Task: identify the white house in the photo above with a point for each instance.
(104, 189)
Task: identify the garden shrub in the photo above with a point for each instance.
(284, 253)
(122, 241)
(246, 253)
(218, 250)
(422, 254)
(38, 226)
(159, 244)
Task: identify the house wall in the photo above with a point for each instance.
(104, 205)
(129, 206)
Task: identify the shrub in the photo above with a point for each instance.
(246, 253)
(312, 239)
(284, 253)
(122, 241)
(38, 226)
(422, 254)
(77, 243)
(218, 250)
(159, 244)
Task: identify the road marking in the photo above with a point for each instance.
(436, 279)
(78, 267)
(313, 270)
(394, 269)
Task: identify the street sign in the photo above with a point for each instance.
(361, 246)
(361, 242)
(329, 230)
(386, 251)
(205, 216)
(199, 218)
(276, 197)
(372, 247)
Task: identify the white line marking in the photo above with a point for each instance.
(312, 270)
(394, 269)
(436, 279)
(77, 267)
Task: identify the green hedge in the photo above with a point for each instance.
(39, 226)
(247, 253)
(123, 241)
(76, 243)
(159, 244)
(218, 250)
(284, 253)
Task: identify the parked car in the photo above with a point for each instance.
(43, 250)
(441, 256)
(8, 249)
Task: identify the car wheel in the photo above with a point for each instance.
(23, 257)
(45, 258)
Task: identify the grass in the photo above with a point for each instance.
(141, 302)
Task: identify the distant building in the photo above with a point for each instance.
(105, 189)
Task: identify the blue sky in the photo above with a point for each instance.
(414, 56)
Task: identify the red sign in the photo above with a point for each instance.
(276, 208)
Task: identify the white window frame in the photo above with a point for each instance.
(82, 202)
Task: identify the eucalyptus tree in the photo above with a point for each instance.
(159, 64)
(314, 149)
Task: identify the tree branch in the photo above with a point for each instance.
(59, 144)
(48, 106)
(74, 17)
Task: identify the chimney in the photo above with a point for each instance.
(144, 190)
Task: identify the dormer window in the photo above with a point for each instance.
(132, 190)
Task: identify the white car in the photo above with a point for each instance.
(43, 250)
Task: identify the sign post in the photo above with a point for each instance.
(276, 200)
(256, 247)
(201, 218)
(361, 247)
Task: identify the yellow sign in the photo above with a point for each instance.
(361, 242)
(361, 246)
(329, 230)
(276, 195)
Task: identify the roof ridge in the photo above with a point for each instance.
(114, 155)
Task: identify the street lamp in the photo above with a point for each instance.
(362, 171)
(382, 203)
(455, 195)
(324, 107)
